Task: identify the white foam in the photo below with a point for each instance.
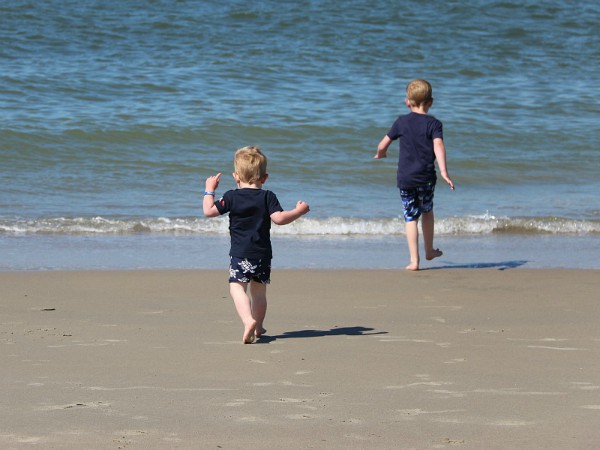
(330, 226)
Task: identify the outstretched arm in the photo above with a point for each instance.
(285, 217)
(382, 148)
(208, 204)
(440, 155)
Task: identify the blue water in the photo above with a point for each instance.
(113, 113)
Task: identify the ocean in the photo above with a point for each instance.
(112, 114)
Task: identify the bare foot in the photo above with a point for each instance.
(433, 254)
(249, 332)
(412, 266)
(259, 332)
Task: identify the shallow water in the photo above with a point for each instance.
(113, 113)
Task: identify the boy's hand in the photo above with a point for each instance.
(380, 154)
(382, 148)
(447, 180)
(212, 183)
(302, 207)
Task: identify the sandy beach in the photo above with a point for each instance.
(458, 358)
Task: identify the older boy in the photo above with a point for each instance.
(421, 143)
(251, 210)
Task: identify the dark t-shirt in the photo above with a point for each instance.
(416, 161)
(249, 221)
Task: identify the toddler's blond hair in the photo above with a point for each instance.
(250, 164)
(419, 92)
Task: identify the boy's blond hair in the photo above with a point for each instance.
(250, 164)
(419, 92)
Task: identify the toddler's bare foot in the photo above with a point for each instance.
(259, 332)
(249, 330)
(436, 252)
(412, 266)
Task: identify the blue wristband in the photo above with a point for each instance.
(209, 193)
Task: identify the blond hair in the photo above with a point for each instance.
(419, 92)
(250, 164)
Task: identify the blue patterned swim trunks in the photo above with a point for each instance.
(243, 270)
(416, 201)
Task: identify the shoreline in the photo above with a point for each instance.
(147, 252)
(486, 358)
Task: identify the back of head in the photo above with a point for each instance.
(250, 164)
(419, 92)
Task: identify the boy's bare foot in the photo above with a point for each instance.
(249, 331)
(259, 332)
(412, 266)
(435, 253)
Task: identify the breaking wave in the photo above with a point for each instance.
(332, 226)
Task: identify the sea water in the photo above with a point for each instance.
(112, 114)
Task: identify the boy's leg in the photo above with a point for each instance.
(412, 211)
(244, 309)
(428, 230)
(412, 237)
(258, 292)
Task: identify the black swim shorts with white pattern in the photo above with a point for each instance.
(244, 270)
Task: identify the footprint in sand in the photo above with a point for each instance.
(91, 405)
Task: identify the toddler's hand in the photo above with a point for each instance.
(302, 207)
(448, 180)
(212, 183)
(380, 155)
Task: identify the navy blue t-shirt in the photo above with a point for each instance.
(249, 221)
(416, 161)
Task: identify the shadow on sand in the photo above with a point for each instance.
(335, 331)
(503, 265)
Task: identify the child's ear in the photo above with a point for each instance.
(264, 179)
(235, 177)
(407, 101)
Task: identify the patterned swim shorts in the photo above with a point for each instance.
(243, 270)
(416, 201)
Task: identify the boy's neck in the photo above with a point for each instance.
(421, 109)
(242, 185)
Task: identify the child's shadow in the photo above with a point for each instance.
(502, 265)
(335, 331)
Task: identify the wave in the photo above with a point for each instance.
(333, 226)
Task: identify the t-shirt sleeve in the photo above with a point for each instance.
(273, 203)
(394, 132)
(437, 130)
(224, 203)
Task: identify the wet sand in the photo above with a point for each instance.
(452, 358)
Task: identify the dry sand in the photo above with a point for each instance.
(462, 359)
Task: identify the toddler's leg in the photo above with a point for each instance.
(412, 237)
(428, 230)
(258, 292)
(244, 310)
